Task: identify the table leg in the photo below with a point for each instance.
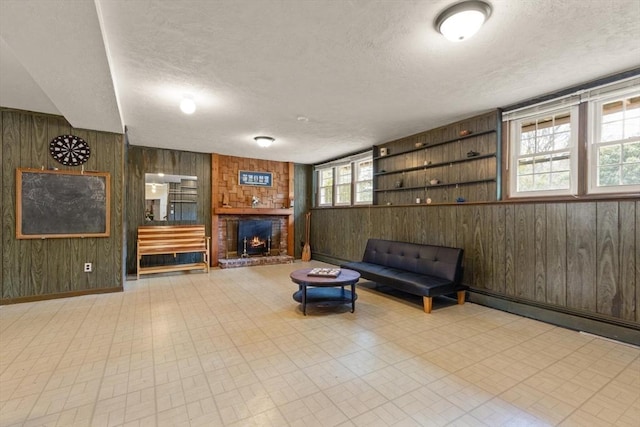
(304, 299)
(353, 297)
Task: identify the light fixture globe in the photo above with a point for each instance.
(462, 20)
(187, 106)
(264, 141)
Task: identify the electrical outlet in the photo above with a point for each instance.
(88, 267)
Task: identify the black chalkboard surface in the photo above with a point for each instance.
(57, 204)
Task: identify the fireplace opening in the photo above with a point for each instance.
(254, 237)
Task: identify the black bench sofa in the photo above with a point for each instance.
(424, 270)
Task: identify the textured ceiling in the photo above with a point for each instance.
(362, 71)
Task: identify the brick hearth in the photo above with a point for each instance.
(256, 260)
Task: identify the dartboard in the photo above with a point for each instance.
(69, 150)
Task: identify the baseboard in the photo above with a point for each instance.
(608, 329)
(32, 298)
(327, 258)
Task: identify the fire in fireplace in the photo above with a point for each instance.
(254, 237)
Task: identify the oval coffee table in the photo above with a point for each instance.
(325, 289)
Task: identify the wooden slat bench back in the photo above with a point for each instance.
(172, 240)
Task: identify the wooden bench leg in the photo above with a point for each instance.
(461, 295)
(427, 303)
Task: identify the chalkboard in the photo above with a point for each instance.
(58, 204)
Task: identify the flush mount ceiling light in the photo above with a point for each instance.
(462, 20)
(264, 141)
(187, 106)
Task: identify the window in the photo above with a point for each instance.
(544, 159)
(364, 181)
(350, 179)
(325, 181)
(615, 144)
(343, 184)
(545, 139)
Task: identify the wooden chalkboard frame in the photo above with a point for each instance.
(22, 209)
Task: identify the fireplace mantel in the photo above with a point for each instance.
(252, 211)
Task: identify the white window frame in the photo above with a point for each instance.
(338, 183)
(515, 131)
(321, 187)
(595, 131)
(357, 167)
(353, 162)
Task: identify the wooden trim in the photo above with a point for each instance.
(503, 160)
(213, 261)
(461, 295)
(32, 298)
(582, 149)
(291, 184)
(291, 222)
(215, 194)
(252, 211)
(506, 202)
(583, 198)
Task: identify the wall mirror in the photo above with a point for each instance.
(170, 197)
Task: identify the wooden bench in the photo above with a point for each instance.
(172, 240)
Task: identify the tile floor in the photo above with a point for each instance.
(232, 348)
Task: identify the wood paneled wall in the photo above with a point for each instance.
(303, 190)
(580, 257)
(403, 179)
(141, 160)
(36, 269)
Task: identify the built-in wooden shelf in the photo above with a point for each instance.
(468, 164)
(424, 187)
(435, 165)
(435, 144)
(252, 211)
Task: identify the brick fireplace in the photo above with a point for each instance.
(231, 201)
(227, 245)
